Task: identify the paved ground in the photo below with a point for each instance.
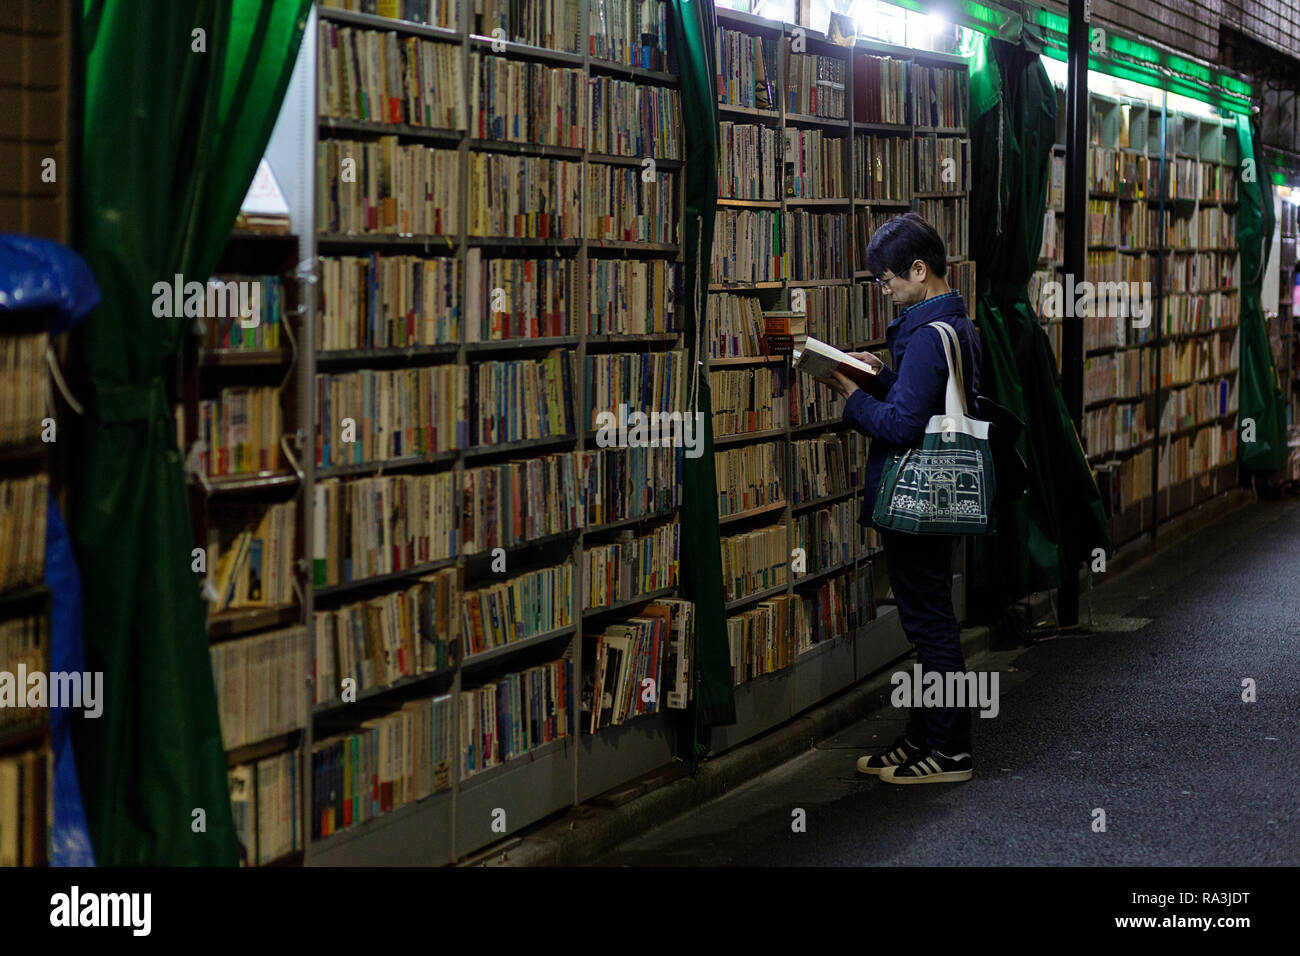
(1142, 717)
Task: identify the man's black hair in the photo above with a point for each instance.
(901, 241)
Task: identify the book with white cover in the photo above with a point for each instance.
(818, 359)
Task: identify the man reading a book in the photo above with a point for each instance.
(908, 260)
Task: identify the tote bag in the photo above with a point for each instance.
(946, 485)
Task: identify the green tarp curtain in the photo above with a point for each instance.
(694, 25)
(1060, 517)
(179, 100)
(1259, 399)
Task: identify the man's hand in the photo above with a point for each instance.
(867, 357)
(840, 382)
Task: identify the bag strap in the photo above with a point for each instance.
(955, 396)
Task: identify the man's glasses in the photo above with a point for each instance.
(882, 280)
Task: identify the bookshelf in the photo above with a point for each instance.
(829, 166)
(1161, 396)
(238, 410)
(26, 762)
(507, 329)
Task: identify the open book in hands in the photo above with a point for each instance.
(818, 359)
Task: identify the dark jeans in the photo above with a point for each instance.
(920, 571)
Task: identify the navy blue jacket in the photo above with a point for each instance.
(901, 402)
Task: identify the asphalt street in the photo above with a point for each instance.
(1139, 714)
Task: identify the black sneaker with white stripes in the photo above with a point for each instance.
(930, 767)
(899, 752)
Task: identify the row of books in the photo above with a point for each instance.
(632, 297)
(641, 666)
(631, 32)
(949, 218)
(1136, 226)
(631, 119)
(381, 77)
(762, 640)
(366, 527)
(239, 431)
(734, 325)
(814, 165)
(22, 387)
(437, 13)
(810, 403)
(816, 243)
(227, 332)
(1190, 455)
(1197, 404)
(962, 277)
(1101, 219)
(942, 164)
(1197, 359)
(376, 414)
(533, 197)
(384, 764)
(820, 468)
(265, 797)
(517, 713)
(748, 399)
(632, 566)
(255, 569)
(1217, 227)
(382, 187)
(260, 683)
(1201, 313)
(1103, 169)
(521, 101)
(830, 316)
(22, 530)
(643, 381)
(515, 502)
(1117, 427)
(835, 608)
(1056, 181)
(518, 298)
(880, 90)
(376, 302)
(748, 246)
(625, 205)
(520, 400)
(636, 482)
(865, 224)
(517, 609)
(24, 643)
(875, 311)
(749, 476)
(826, 535)
(750, 161)
(551, 24)
(1200, 271)
(815, 85)
(755, 561)
(941, 97)
(25, 785)
(378, 641)
(746, 70)
(882, 167)
(1116, 375)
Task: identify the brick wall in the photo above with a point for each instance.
(35, 49)
(1272, 22)
(1192, 26)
